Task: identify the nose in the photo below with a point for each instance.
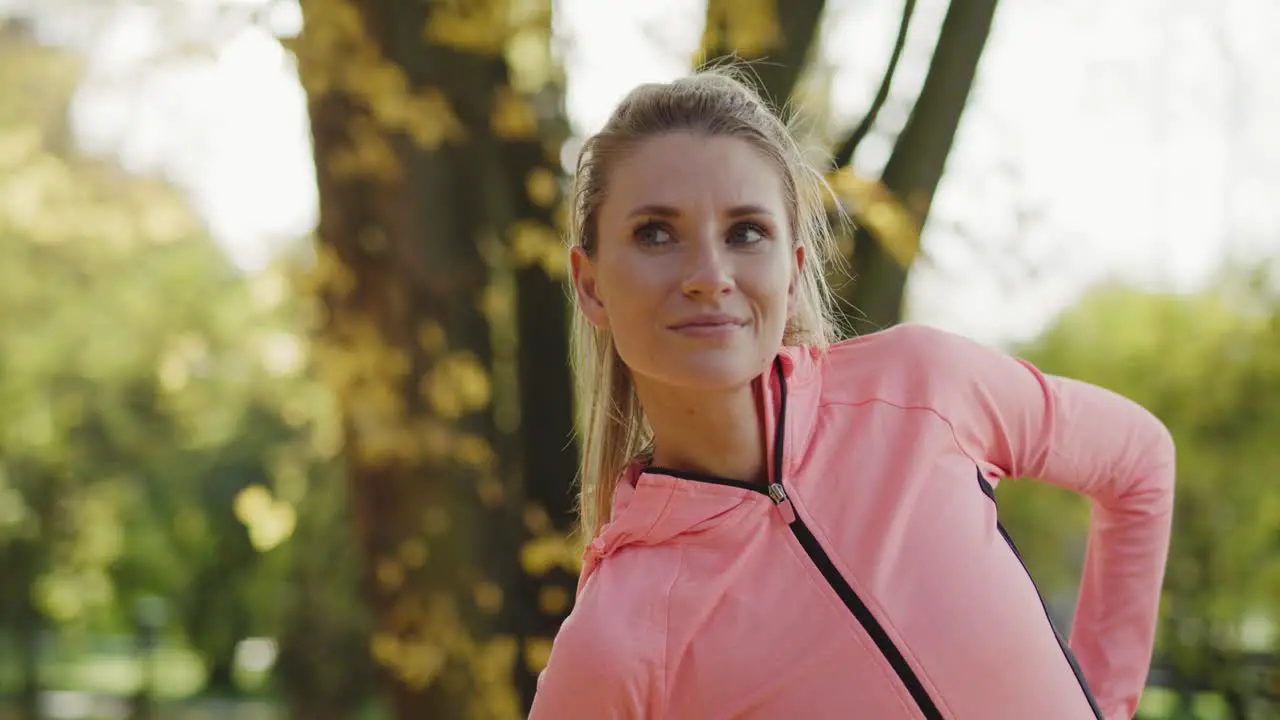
(707, 270)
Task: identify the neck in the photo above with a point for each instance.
(712, 433)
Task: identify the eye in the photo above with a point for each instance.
(747, 234)
(652, 233)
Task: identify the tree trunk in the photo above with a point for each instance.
(919, 157)
(28, 627)
(549, 457)
(220, 681)
(403, 98)
(777, 34)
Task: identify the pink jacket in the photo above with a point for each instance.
(871, 578)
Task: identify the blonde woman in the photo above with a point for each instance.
(786, 526)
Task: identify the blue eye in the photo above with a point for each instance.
(746, 234)
(652, 234)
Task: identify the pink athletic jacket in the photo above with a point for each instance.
(871, 578)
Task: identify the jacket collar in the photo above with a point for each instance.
(652, 506)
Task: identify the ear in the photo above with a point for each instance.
(583, 269)
(797, 268)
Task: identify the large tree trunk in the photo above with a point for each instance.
(777, 34)
(919, 157)
(404, 99)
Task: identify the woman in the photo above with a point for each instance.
(782, 526)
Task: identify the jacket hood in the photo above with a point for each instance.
(653, 506)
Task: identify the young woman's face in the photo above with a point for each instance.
(694, 270)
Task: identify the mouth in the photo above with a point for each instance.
(709, 326)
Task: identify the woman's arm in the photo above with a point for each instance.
(1019, 422)
(598, 667)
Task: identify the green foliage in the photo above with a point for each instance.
(159, 420)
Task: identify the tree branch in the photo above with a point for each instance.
(844, 154)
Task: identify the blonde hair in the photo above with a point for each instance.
(613, 431)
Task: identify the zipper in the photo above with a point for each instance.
(1062, 643)
(778, 494)
(860, 611)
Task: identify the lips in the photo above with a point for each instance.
(710, 324)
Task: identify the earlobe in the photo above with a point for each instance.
(585, 288)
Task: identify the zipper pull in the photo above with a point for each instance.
(778, 494)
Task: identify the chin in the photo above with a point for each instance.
(708, 371)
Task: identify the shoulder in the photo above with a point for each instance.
(908, 363)
(909, 345)
(608, 656)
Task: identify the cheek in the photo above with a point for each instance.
(770, 290)
(630, 294)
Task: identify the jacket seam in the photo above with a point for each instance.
(663, 692)
(817, 529)
(662, 511)
(951, 428)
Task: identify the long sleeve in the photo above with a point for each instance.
(1024, 423)
(598, 667)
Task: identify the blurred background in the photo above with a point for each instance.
(285, 418)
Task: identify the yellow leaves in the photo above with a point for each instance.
(268, 520)
(488, 597)
(389, 574)
(480, 27)
(331, 274)
(457, 385)
(540, 554)
(553, 600)
(430, 337)
(536, 519)
(747, 27)
(537, 651)
(413, 553)
(542, 186)
(892, 223)
(512, 117)
(536, 243)
(336, 54)
(492, 664)
(475, 452)
(368, 156)
(416, 661)
(529, 55)
(498, 301)
(429, 120)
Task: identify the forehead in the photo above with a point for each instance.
(691, 172)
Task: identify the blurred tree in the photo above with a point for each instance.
(774, 38)
(1209, 366)
(891, 212)
(534, 218)
(423, 217)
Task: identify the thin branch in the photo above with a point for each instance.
(844, 155)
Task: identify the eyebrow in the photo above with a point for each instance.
(667, 211)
